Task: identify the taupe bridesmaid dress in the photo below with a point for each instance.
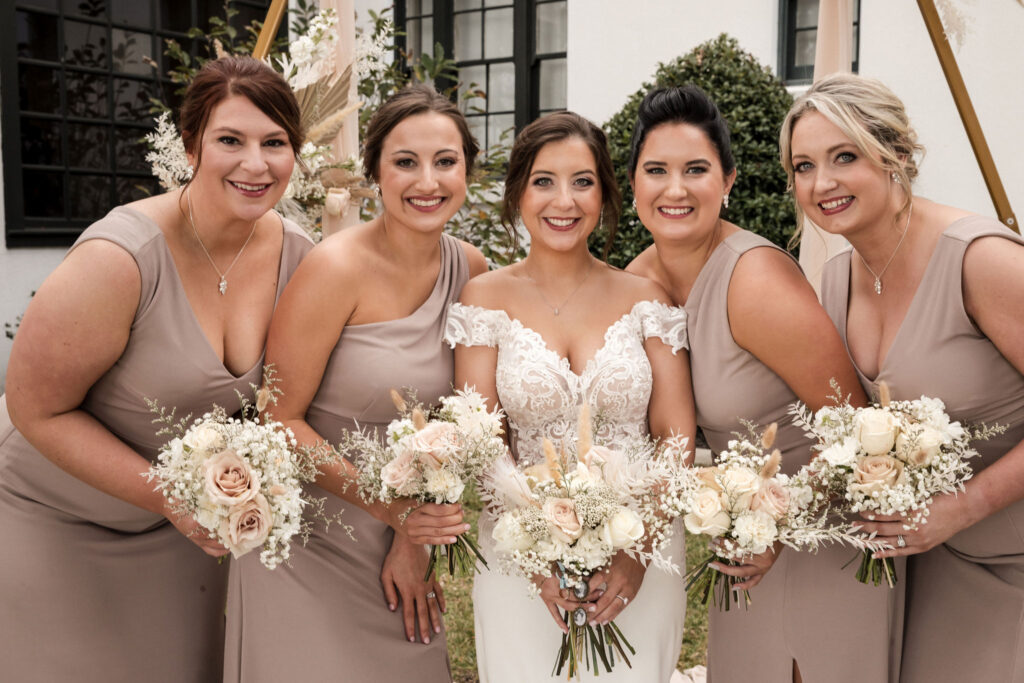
(93, 588)
(807, 607)
(965, 598)
(324, 617)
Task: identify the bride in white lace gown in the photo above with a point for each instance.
(542, 337)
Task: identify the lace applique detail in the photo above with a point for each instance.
(541, 394)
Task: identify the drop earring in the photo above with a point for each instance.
(725, 201)
(895, 178)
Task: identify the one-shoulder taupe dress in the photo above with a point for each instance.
(807, 608)
(965, 598)
(324, 617)
(93, 588)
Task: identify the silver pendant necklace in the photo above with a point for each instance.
(878, 276)
(222, 286)
(559, 307)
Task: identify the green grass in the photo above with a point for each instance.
(459, 620)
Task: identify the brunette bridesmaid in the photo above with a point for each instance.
(365, 314)
(759, 341)
(930, 300)
(166, 298)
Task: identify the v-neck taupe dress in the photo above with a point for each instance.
(323, 617)
(93, 588)
(807, 608)
(965, 598)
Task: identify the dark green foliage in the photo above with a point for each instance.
(754, 103)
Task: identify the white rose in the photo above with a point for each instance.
(740, 484)
(707, 516)
(876, 430)
(623, 530)
(444, 486)
(920, 448)
(755, 531)
(551, 549)
(509, 535)
(841, 454)
(204, 438)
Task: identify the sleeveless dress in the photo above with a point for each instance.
(807, 607)
(516, 638)
(965, 598)
(92, 587)
(323, 616)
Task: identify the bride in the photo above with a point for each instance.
(540, 338)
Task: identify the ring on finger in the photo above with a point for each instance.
(431, 594)
(900, 541)
(625, 600)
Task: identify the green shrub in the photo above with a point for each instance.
(754, 103)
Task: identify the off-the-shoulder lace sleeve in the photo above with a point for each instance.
(474, 326)
(668, 323)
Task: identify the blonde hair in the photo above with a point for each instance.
(868, 113)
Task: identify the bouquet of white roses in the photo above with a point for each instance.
(239, 478)
(574, 512)
(890, 458)
(430, 460)
(750, 506)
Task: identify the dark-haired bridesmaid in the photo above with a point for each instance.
(930, 300)
(759, 340)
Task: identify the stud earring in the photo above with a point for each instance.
(895, 178)
(376, 191)
(725, 201)
(634, 203)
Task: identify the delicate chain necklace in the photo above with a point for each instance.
(540, 290)
(223, 285)
(878, 276)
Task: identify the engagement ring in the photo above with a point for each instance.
(900, 541)
(625, 600)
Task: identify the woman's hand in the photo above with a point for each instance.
(195, 532)
(945, 518)
(426, 523)
(752, 568)
(622, 581)
(559, 599)
(402, 578)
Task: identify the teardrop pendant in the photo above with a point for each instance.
(556, 311)
(878, 286)
(223, 286)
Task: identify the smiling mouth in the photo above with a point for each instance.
(675, 211)
(246, 187)
(425, 203)
(561, 223)
(834, 205)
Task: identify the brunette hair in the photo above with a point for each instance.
(245, 76)
(868, 113)
(683, 104)
(418, 98)
(556, 127)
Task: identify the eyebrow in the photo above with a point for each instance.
(585, 171)
(655, 162)
(234, 131)
(830, 150)
(409, 151)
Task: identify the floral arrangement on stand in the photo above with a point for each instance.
(430, 459)
(749, 505)
(568, 516)
(240, 478)
(891, 458)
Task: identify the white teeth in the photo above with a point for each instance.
(672, 211)
(425, 202)
(836, 203)
(249, 188)
(561, 222)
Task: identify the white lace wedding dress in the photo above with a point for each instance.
(516, 638)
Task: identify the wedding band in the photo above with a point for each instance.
(625, 600)
(431, 594)
(900, 541)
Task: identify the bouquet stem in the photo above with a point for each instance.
(707, 584)
(590, 646)
(460, 557)
(873, 570)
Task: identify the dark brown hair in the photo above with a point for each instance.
(556, 127)
(418, 98)
(245, 76)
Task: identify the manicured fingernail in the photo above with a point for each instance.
(391, 607)
(426, 640)
(592, 608)
(411, 639)
(871, 516)
(466, 527)
(437, 629)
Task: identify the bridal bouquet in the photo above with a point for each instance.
(239, 478)
(430, 460)
(891, 458)
(574, 512)
(745, 502)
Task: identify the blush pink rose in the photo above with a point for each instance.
(433, 445)
(560, 514)
(876, 473)
(229, 480)
(400, 474)
(772, 498)
(247, 526)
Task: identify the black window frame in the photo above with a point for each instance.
(804, 75)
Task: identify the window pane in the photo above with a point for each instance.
(131, 100)
(553, 80)
(128, 48)
(134, 12)
(806, 13)
(36, 36)
(551, 28)
(413, 39)
(497, 125)
(43, 193)
(497, 3)
(501, 87)
(130, 154)
(131, 189)
(472, 78)
(466, 4)
(498, 33)
(175, 16)
(90, 196)
(38, 89)
(468, 36)
(87, 147)
(40, 142)
(42, 4)
(477, 126)
(87, 94)
(85, 8)
(428, 36)
(804, 48)
(85, 44)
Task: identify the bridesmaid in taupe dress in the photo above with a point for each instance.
(930, 299)
(759, 341)
(364, 314)
(99, 580)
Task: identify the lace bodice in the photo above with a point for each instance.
(541, 394)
